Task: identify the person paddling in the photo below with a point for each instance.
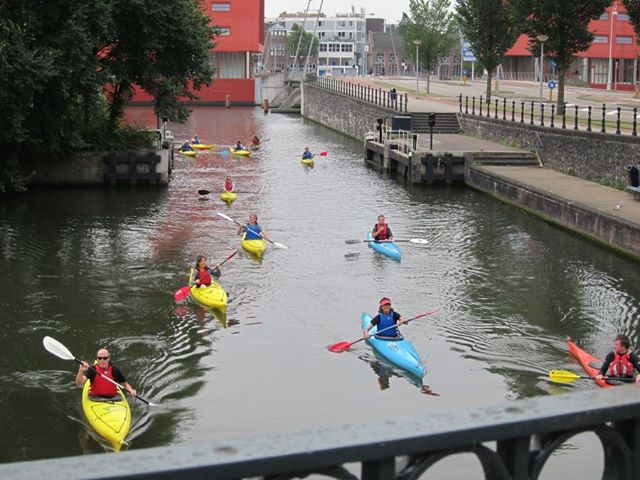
(255, 142)
(307, 155)
(186, 147)
(620, 362)
(99, 386)
(381, 230)
(228, 184)
(253, 229)
(385, 318)
(239, 146)
(202, 273)
(196, 140)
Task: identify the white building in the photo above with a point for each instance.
(342, 41)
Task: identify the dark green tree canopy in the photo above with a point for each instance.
(633, 10)
(299, 36)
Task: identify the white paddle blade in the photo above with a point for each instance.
(56, 348)
(419, 241)
(225, 217)
(280, 246)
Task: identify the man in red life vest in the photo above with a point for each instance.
(620, 362)
(100, 387)
(381, 231)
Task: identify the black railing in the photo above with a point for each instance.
(377, 96)
(525, 433)
(618, 119)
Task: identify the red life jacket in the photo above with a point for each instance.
(621, 366)
(204, 276)
(384, 234)
(101, 387)
(228, 186)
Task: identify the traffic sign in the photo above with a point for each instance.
(467, 53)
(551, 84)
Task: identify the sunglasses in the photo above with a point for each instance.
(103, 358)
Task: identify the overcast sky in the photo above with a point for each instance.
(387, 9)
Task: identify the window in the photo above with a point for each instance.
(321, 34)
(323, 47)
(342, 34)
(346, 47)
(601, 39)
(604, 16)
(623, 17)
(319, 23)
(220, 7)
(222, 31)
(334, 47)
(624, 40)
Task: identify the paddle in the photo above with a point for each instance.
(59, 350)
(207, 192)
(342, 346)
(419, 241)
(275, 244)
(183, 292)
(565, 376)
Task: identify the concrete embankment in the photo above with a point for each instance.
(603, 214)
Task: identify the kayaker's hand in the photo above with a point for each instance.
(84, 366)
(132, 392)
(638, 379)
(599, 377)
(366, 334)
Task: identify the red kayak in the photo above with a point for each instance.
(590, 363)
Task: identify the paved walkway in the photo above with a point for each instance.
(462, 143)
(574, 190)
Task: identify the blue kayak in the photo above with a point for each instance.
(399, 353)
(390, 249)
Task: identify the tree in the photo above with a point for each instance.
(566, 24)
(487, 26)
(298, 43)
(633, 10)
(430, 22)
(148, 48)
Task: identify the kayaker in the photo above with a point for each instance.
(239, 146)
(202, 272)
(307, 155)
(186, 147)
(253, 229)
(620, 362)
(255, 141)
(228, 184)
(99, 386)
(196, 140)
(381, 230)
(385, 318)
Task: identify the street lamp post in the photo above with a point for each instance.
(417, 42)
(542, 39)
(614, 11)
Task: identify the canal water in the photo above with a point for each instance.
(94, 267)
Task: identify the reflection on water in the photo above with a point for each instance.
(95, 268)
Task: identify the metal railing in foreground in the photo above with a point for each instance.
(612, 414)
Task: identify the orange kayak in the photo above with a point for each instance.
(590, 363)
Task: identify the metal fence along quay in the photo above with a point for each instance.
(376, 96)
(588, 118)
(512, 441)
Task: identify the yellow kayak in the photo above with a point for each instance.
(202, 146)
(242, 153)
(110, 418)
(257, 247)
(228, 197)
(212, 296)
(307, 161)
(188, 153)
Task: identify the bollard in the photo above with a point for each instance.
(575, 118)
(618, 122)
(603, 128)
(227, 101)
(635, 117)
(521, 112)
(265, 105)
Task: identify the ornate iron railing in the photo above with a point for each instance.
(376, 96)
(601, 119)
(525, 432)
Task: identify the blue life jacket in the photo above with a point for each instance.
(186, 148)
(307, 155)
(252, 231)
(387, 321)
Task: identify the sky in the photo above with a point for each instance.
(387, 9)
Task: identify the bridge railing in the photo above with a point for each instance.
(512, 441)
(377, 96)
(588, 118)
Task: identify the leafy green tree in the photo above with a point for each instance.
(163, 48)
(566, 23)
(487, 26)
(633, 10)
(430, 22)
(305, 39)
